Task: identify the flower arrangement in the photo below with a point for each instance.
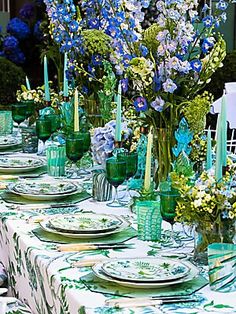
(206, 201)
(210, 206)
(164, 66)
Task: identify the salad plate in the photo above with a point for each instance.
(85, 223)
(18, 164)
(44, 190)
(193, 273)
(145, 269)
(45, 225)
(9, 142)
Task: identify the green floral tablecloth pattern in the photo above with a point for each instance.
(45, 279)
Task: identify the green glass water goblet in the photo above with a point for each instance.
(74, 152)
(55, 123)
(116, 175)
(131, 160)
(19, 115)
(43, 131)
(85, 136)
(168, 206)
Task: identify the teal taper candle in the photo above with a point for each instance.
(209, 150)
(118, 116)
(46, 84)
(218, 167)
(223, 124)
(65, 83)
(27, 83)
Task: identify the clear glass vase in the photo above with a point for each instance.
(207, 233)
(163, 153)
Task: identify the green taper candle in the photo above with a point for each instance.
(118, 116)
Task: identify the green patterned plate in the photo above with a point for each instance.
(193, 273)
(85, 223)
(18, 164)
(145, 269)
(44, 190)
(46, 226)
(8, 141)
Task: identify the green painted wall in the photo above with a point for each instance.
(4, 18)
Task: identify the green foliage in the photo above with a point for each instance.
(196, 110)
(11, 78)
(150, 37)
(227, 73)
(96, 42)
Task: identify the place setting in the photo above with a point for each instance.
(84, 230)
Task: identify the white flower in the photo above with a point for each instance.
(197, 203)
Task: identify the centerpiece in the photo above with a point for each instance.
(162, 68)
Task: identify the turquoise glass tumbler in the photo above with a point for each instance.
(6, 122)
(222, 270)
(149, 220)
(56, 159)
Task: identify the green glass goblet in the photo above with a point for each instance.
(74, 152)
(116, 175)
(43, 131)
(131, 160)
(19, 115)
(168, 206)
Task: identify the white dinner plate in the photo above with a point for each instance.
(193, 273)
(34, 190)
(85, 223)
(145, 269)
(46, 226)
(19, 164)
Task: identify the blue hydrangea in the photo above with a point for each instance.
(10, 43)
(18, 28)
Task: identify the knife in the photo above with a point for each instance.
(87, 247)
(39, 206)
(139, 302)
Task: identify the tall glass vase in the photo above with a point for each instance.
(207, 233)
(163, 143)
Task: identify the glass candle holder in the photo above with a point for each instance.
(29, 140)
(56, 159)
(222, 271)
(149, 220)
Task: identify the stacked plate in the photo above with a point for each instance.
(9, 142)
(19, 164)
(44, 190)
(84, 225)
(145, 273)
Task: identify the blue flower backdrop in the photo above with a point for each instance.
(163, 66)
(23, 34)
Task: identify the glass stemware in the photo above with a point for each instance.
(55, 122)
(74, 151)
(43, 131)
(19, 114)
(85, 136)
(168, 205)
(116, 175)
(131, 168)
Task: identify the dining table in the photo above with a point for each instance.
(52, 274)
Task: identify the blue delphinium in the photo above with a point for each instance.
(140, 104)
(18, 28)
